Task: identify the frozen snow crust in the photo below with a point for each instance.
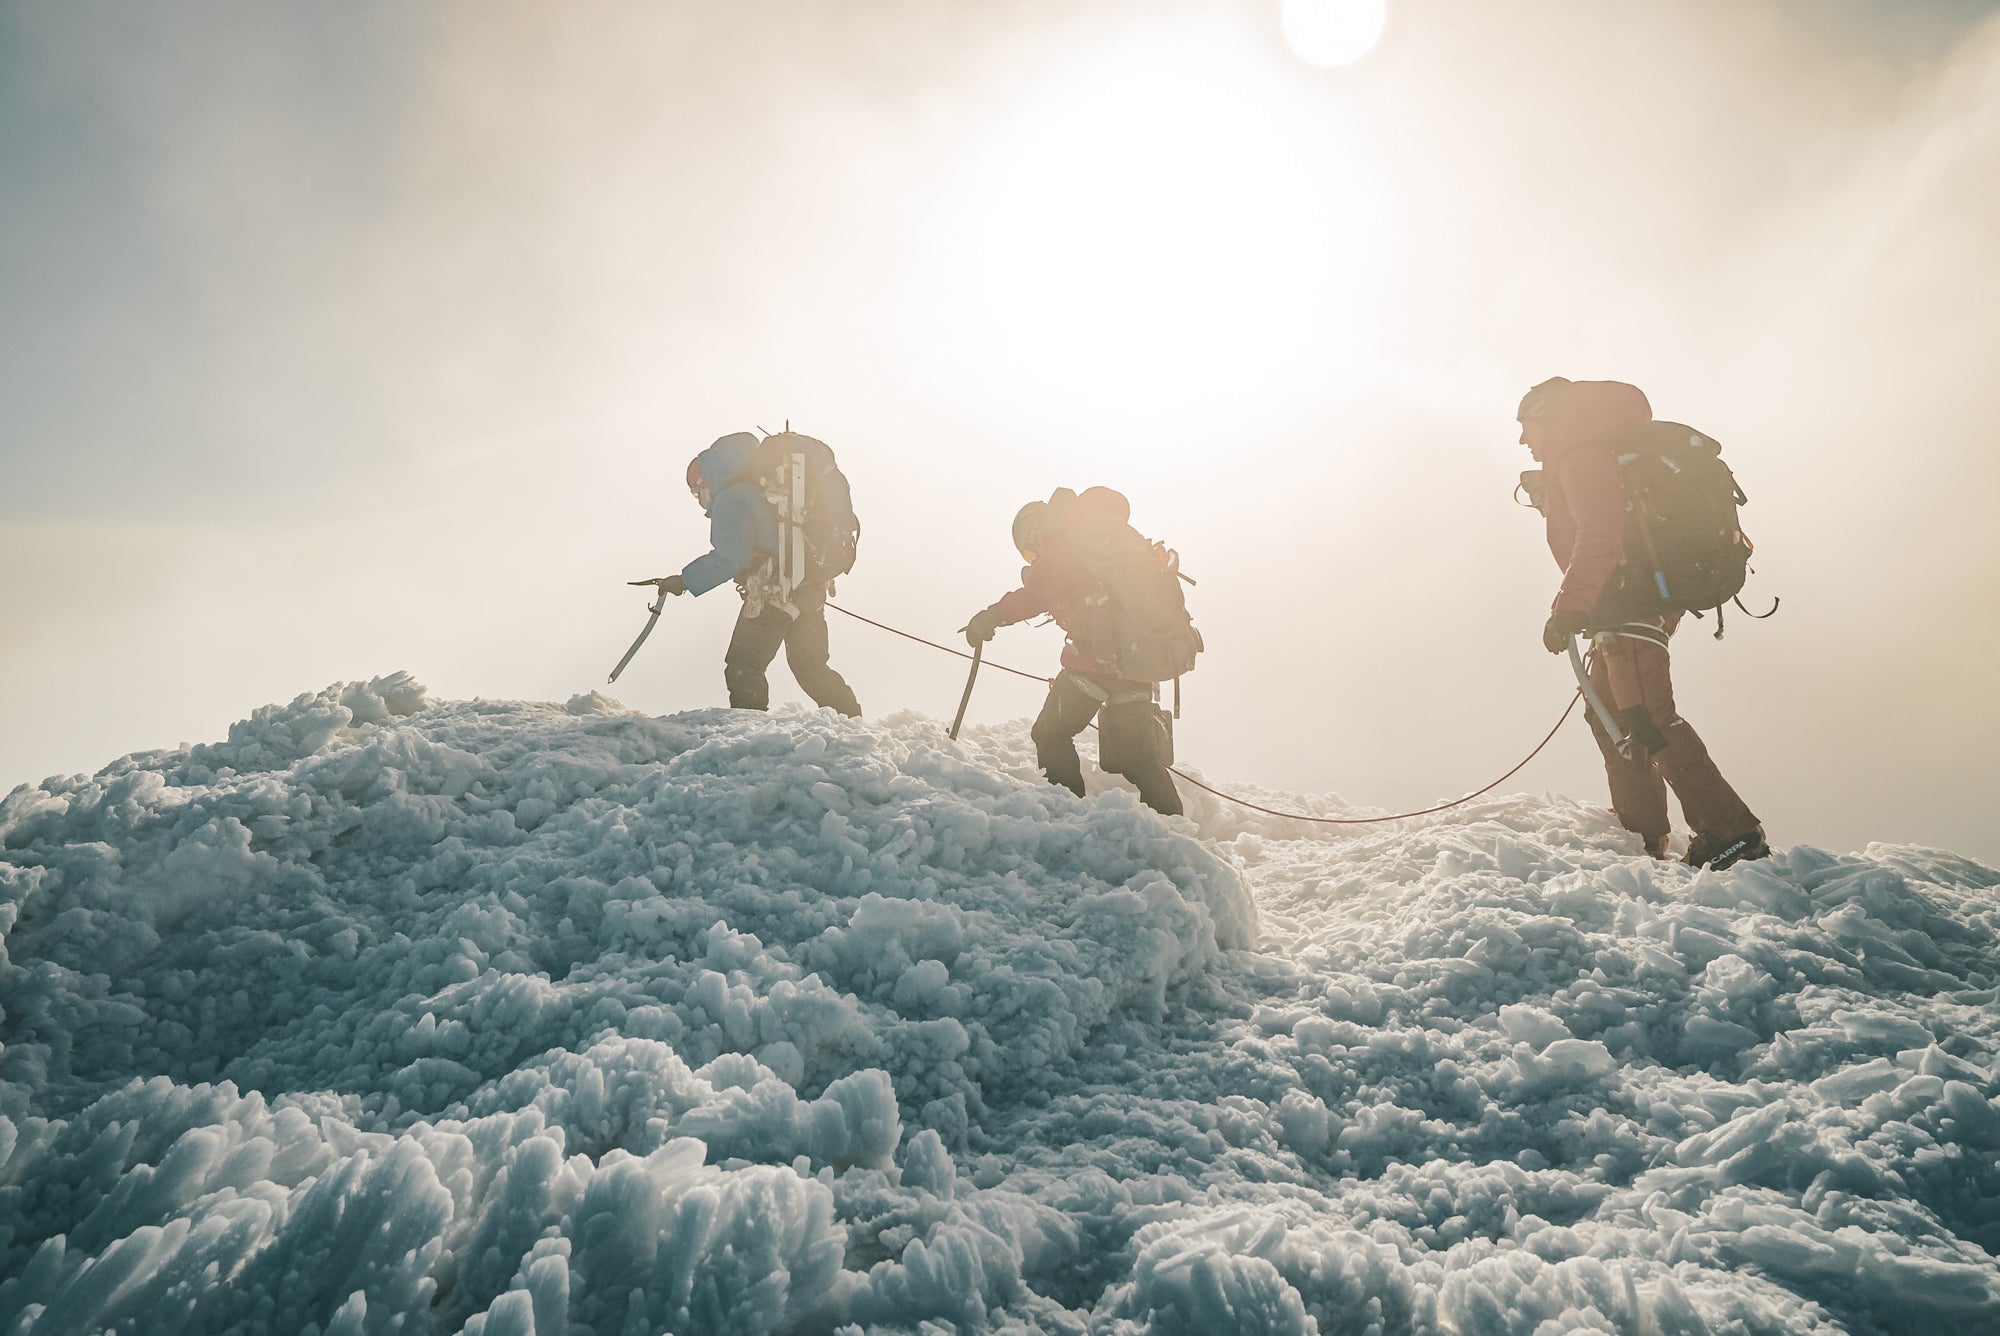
(385, 1015)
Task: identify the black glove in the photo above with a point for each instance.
(981, 628)
(671, 584)
(1560, 627)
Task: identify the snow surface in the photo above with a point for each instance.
(390, 1015)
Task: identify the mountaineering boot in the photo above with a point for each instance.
(1709, 852)
(1656, 846)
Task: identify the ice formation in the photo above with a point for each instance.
(385, 1015)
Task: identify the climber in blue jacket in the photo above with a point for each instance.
(743, 541)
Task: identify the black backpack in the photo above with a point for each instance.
(1684, 547)
(1136, 621)
(818, 532)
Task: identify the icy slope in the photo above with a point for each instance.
(391, 1016)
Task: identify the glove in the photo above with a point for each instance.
(671, 584)
(981, 628)
(1560, 627)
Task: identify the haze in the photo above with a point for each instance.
(343, 339)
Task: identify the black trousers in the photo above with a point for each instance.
(756, 641)
(1132, 736)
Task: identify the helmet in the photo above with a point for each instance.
(1028, 528)
(1539, 401)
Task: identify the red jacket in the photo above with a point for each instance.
(1056, 583)
(1585, 492)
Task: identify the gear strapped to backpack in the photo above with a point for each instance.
(1684, 547)
(1136, 621)
(817, 529)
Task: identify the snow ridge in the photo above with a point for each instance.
(392, 1015)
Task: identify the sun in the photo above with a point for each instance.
(1332, 33)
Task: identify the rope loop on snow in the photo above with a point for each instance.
(1568, 710)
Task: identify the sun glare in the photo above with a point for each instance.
(1158, 218)
(1331, 33)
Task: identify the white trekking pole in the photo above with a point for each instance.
(795, 535)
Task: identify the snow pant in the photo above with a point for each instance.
(1631, 671)
(755, 643)
(1133, 740)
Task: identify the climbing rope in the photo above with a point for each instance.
(1568, 710)
(1032, 677)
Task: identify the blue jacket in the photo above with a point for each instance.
(742, 526)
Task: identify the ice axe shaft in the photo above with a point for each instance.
(658, 604)
(966, 699)
(1596, 702)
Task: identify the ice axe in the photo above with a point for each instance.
(1597, 706)
(966, 699)
(653, 620)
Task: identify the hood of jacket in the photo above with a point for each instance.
(725, 462)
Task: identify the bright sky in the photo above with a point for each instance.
(342, 339)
